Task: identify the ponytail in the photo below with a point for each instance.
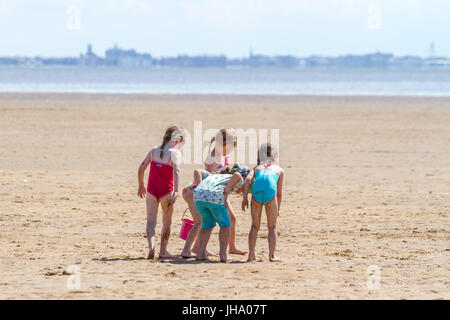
(168, 137)
(161, 153)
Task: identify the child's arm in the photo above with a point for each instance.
(247, 183)
(280, 189)
(176, 161)
(141, 189)
(198, 176)
(210, 162)
(231, 184)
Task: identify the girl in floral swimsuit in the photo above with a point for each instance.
(211, 202)
(217, 161)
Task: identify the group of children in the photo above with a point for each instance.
(208, 195)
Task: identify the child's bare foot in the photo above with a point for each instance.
(187, 254)
(237, 251)
(151, 254)
(209, 254)
(251, 258)
(201, 258)
(165, 255)
(225, 259)
(273, 258)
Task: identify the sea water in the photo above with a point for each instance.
(268, 81)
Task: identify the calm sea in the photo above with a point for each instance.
(431, 82)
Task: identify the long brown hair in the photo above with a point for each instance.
(226, 135)
(170, 131)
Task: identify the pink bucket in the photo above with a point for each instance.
(185, 226)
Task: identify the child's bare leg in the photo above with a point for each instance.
(272, 214)
(224, 236)
(167, 211)
(193, 233)
(232, 239)
(152, 214)
(195, 249)
(256, 209)
(203, 242)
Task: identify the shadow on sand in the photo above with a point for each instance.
(105, 259)
(175, 260)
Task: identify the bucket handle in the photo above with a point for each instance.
(187, 209)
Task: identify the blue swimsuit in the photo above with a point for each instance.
(264, 188)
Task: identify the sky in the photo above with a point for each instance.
(230, 27)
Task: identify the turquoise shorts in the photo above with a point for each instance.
(212, 214)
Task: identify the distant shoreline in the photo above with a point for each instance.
(131, 58)
(234, 67)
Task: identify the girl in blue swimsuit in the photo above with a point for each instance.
(264, 187)
(266, 181)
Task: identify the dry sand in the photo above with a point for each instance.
(368, 182)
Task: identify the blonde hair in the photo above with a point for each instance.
(226, 136)
(172, 134)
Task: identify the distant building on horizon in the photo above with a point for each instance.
(127, 58)
(408, 62)
(118, 57)
(432, 50)
(377, 60)
(90, 58)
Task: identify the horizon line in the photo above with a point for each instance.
(250, 54)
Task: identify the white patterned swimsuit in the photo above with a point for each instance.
(212, 187)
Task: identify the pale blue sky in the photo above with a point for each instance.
(171, 27)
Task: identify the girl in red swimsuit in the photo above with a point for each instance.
(162, 186)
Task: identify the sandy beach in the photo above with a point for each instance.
(367, 184)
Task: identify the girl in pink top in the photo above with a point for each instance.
(216, 162)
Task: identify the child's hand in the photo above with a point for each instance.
(244, 204)
(173, 198)
(141, 192)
